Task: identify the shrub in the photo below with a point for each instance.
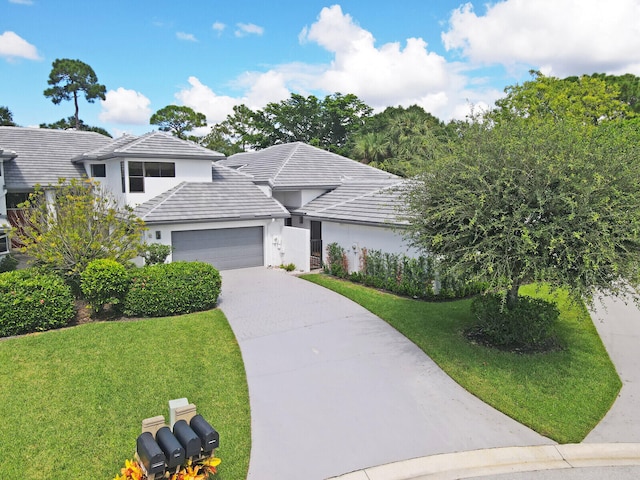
(289, 267)
(172, 289)
(337, 262)
(104, 281)
(8, 263)
(156, 253)
(33, 301)
(528, 325)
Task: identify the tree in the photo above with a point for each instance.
(70, 77)
(178, 120)
(80, 224)
(628, 86)
(535, 192)
(6, 117)
(69, 122)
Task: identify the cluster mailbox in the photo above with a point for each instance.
(159, 449)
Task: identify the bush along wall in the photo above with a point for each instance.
(33, 301)
(400, 274)
(172, 289)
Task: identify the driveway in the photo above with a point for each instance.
(335, 389)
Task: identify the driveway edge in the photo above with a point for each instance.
(493, 461)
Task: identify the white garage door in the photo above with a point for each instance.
(225, 248)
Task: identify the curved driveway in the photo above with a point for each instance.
(335, 389)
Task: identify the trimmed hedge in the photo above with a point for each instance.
(104, 281)
(33, 301)
(172, 289)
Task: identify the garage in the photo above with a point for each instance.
(225, 248)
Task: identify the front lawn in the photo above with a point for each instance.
(72, 400)
(561, 395)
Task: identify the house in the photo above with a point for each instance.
(283, 204)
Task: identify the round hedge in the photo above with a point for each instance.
(33, 301)
(172, 289)
(104, 281)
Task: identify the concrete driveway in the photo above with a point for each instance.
(335, 389)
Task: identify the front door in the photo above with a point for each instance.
(316, 244)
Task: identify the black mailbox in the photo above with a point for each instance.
(171, 447)
(208, 436)
(150, 454)
(188, 438)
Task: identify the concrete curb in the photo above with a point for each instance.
(494, 461)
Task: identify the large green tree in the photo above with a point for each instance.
(178, 119)
(76, 223)
(6, 117)
(70, 122)
(68, 79)
(544, 188)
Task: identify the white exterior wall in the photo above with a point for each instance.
(186, 171)
(296, 248)
(353, 238)
(272, 232)
(297, 198)
(3, 193)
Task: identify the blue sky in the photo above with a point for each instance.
(444, 55)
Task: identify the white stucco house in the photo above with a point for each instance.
(279, 205)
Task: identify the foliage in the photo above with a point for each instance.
(83, 391)
(104, 281)
(155, 253)
(326, 123)
(6, 117)
(70, 122)
(536, 191)
(528, 326)
(84, 223)
(337, 263)
(178, 120)
(562, 394)
(68, 78)
(33, 301)
(628, 86)
(200, 470)
(8, 263)
(289, 267)
(399, 140)
(172, 289)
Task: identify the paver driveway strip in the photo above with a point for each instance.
(334, 389)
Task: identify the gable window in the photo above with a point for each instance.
(98, 170)
(139, 170)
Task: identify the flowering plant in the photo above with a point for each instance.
(199, 470)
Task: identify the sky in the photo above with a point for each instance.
(447, 56)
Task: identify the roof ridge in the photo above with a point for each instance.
(170, 193)
(287, 159)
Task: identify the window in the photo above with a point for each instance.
(287, 222)
(98, 170)
(122, 178)
(136, 177)
(139, 170)
(16, 198)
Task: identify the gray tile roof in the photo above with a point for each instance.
(298, 165)
(44, 155)
(150, 145)
(366, 202)
(230, 196)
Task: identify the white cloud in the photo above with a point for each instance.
(188, 37)
(386, 75)
(125, 107)
(202, 99)
(560, 37)
(245, 29)
(13, 46)
(218, 27)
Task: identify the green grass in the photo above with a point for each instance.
(561, 394)
(72, 400)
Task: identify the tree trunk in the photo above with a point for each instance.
(75, 101)
(512, 295)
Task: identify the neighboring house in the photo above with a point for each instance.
(300, 176)
(279, 205)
